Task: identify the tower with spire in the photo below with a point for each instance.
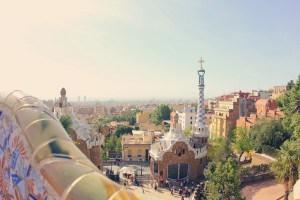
(200, 129)
(176, 156)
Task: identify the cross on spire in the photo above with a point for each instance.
(201, 61)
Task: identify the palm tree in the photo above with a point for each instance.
(286, 166)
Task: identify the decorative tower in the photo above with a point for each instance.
(200, 128)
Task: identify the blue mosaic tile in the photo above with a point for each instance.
(14, 158)
(15, 179)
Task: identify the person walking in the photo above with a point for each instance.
(142, 188)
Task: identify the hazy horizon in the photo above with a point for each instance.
(141, 50)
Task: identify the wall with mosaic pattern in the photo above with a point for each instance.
(39, 161)
(18, 179)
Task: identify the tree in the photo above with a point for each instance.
(223, 180)
(286, 166)
(162, 112)
(188, 131)
(66, 122)
(268, 135)
(242, 142)
(219, 149)
(130, 117)
(112, 143)
(290, 104)
(290, 84)
(121, 130)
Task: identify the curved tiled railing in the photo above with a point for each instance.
(38, 160)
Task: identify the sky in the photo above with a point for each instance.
(141, 49)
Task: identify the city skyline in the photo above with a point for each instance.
(147, 50)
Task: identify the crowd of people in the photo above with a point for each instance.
(183, 188)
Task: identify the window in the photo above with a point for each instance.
(155, 167)
(183, 170)
(173, 171)
(191, 117)
(178, 171)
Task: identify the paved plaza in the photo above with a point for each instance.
(160, 193)
(267, 190)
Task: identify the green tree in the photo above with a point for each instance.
(112, 143)
(287, 164)
(268, 135)
(121, 130)
(162, 112)
(223, 180)
(101, 122)
(289, 103)
(242, 143)
(188, 131)
(290, 84)
(219, 149)
(66, 122)
(130, 117)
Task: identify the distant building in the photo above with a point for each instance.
(278, 91)
(86, 139)
(247, 122)
(228, 109)
(187, 117)
(265, 109)
(101, 110)
(178, 107)
(263, 106)
(143, 117)
(86, 110)
(136, 147)
(224, 118)
(262, 94)
(211, 104)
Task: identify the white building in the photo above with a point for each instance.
(187, 117)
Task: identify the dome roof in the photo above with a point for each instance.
(63, 92)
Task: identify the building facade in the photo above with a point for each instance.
(229, 109)
(136, 147)
(278, 91)
(224, 117)
(186, 117)
(177, 157)
(265, 109)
